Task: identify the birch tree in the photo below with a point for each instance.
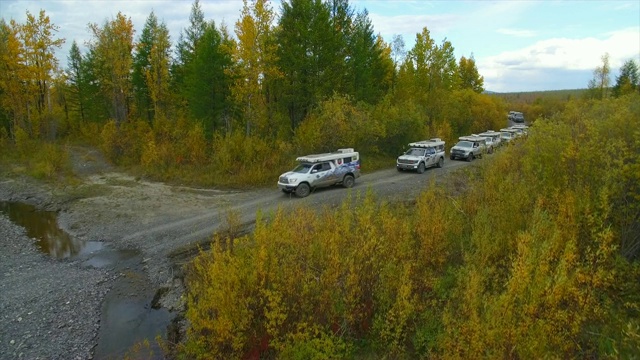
(255, 57)
(599, 85)
(468, 75)
(112, 45)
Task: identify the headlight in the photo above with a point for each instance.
(293, 180)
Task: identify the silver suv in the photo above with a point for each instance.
(495, 139)
(469, 148)
(516, 116)
(421, 155)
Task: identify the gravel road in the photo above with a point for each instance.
(52, 309)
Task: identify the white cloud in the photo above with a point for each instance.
(410, 25)
(576, 56)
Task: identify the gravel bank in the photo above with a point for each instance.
(50, 309)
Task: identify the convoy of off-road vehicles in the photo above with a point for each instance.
(343, 166)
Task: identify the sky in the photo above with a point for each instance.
(517, 45)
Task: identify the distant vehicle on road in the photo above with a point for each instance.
(496, 140)
(516, 116)
(507, 135)
(522, 129)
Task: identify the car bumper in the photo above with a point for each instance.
(287, 187)
(407, 166)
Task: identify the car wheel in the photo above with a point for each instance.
(421, 168)
(441, 162)
(470, 158)
(452, 157)
(303, 190)
(399, 170)
(348, 181)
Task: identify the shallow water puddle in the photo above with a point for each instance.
(127, 316)
(42, 226)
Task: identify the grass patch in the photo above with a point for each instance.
(88, 191)
(48, 161)
(121, 182)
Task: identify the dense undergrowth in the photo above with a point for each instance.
(47, 161)
(179, 151)
(534, 256)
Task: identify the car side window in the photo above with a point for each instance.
(326, 166)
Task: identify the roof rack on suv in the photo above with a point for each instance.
(428, 143)
(341, 153)
(472, 137)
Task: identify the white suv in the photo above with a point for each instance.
(496, 140)
(421, 155)
(522, 129)
(469, 148)
(508, 135)
(321, 170)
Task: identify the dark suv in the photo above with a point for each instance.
(518, 118)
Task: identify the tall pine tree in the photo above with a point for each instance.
(206, 82)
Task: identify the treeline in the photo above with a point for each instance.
(545, 104)
(210, 104)
(532, 255)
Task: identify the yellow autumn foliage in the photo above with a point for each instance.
(531, 254)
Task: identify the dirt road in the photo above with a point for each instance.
(157, 221)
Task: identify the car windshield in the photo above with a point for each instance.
(302, 168)
(415, 152)
(506, 134)
(464, 144)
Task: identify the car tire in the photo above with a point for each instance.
(348, 181)
(399, 170)
(303, 190)
(452, 157)
(470, 157)
(441, 162)
(421, 168)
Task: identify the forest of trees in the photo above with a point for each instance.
(314, 79)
